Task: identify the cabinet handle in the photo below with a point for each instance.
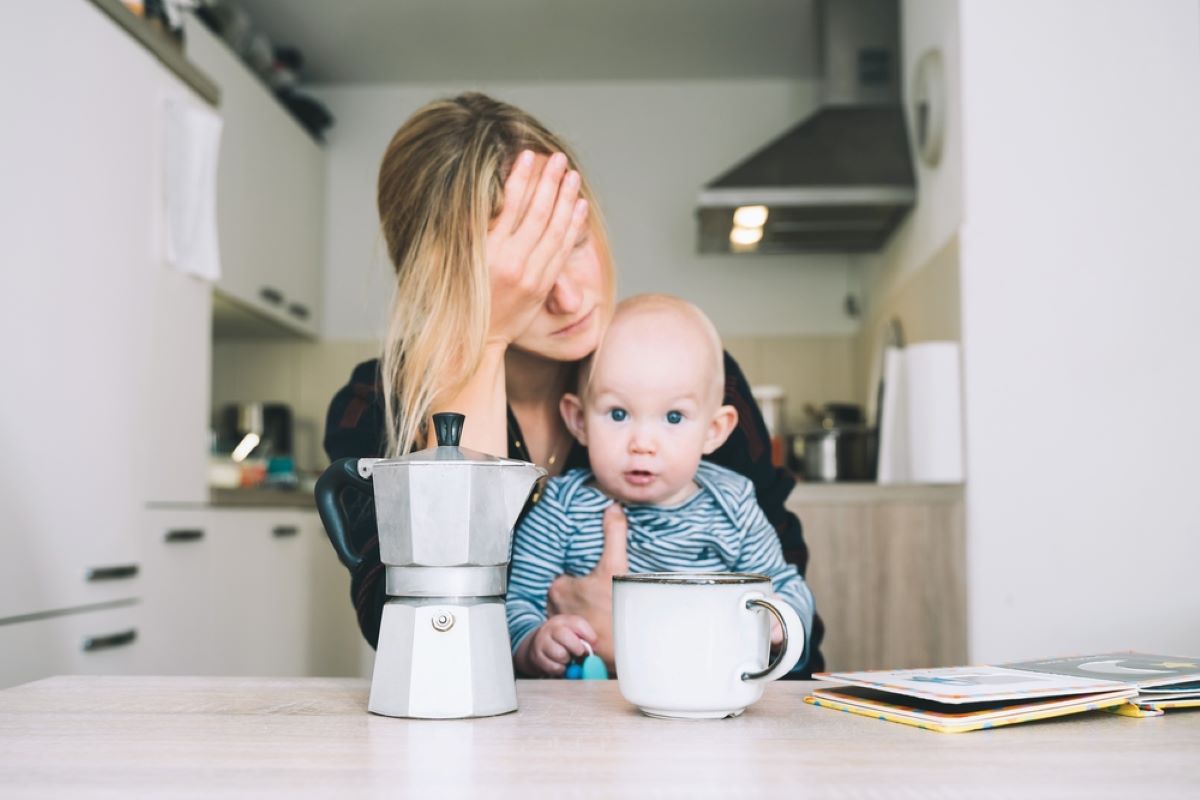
(184, 535)
(298, 311)
(93, 643)
(271, 295)
(119, 572)
(281, 531)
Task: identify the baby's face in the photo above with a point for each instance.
(649, 414)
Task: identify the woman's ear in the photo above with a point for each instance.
(722, 424)
(571, 408)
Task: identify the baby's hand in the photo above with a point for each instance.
(560, 637)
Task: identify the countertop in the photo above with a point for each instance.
(260, 737)
(804, 493)
(262, 498)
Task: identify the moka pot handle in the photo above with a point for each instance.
(341, 474)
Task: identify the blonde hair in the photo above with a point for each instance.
(440, 185)
(670, 305)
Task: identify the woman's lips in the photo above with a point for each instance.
(575, 326)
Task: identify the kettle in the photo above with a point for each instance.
(445, 518)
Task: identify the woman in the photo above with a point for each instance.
(504, 282)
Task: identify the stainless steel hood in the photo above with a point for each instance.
(841, 180)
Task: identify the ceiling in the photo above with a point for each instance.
(430, 41)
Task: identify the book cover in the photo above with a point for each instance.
(1143, 670)
(972, 684)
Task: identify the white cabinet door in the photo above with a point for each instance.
(336, 647)
(77, 195)
(174, 392)
(180, 583)
(99, 642)
(271, 183)
(260, 603)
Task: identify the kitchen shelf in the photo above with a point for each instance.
(162, 48)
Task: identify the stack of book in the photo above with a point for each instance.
(957, 699)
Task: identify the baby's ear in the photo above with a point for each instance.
(723, 423)
(571, 408)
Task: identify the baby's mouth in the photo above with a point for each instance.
(639, 477)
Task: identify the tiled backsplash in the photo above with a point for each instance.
(306, 374)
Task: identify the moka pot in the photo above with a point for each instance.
(445, 518)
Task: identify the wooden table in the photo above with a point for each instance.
(171, 737)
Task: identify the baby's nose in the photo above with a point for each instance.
(642, 441)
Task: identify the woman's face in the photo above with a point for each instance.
(570, 323)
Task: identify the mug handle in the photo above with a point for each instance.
(792, 647)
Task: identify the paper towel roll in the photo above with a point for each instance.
(893, 420)
(934, 409)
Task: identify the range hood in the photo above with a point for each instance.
(841, 180)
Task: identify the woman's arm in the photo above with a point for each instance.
(527, 245)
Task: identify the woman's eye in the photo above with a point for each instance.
(618, 414)
(674, 417)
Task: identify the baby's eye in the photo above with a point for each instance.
(618, 414)
(674, 417)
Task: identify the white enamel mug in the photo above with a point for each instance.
(697, 644)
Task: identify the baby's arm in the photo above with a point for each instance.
(539, 555)
(761, 552)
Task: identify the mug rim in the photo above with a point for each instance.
(693, 578)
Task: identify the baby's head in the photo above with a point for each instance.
(650, 401)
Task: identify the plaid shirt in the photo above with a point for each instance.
(354, 428)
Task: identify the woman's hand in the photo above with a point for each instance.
(548, 650)
(541, 220)
(590, 596)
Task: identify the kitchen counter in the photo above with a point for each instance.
(173, 737)
(867, 493)
(261, 498)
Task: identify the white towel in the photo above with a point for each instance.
(190, 152)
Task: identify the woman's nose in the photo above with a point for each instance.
(564, 297)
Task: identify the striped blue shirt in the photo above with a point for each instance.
(718, 529)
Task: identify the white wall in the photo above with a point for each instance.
(914, 277)
(647, 148)
(1080, 277)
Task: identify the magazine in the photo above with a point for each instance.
(959, 699)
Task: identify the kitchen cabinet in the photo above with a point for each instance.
(271, 188)
(103, 402)
(887, 569)
(99, 641)
(245, 592)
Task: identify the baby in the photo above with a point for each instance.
(649, 408)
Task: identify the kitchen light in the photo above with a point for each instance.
(244, 447)
(750, 217)
(745, 236)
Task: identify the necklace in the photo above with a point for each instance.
(522, 451)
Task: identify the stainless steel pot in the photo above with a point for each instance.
(839, 453)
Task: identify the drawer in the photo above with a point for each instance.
(99, 642)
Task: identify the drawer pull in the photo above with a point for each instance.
(184, 535)
(282, 531)
(271, 295)
(93, 643)
(116, 573)
(298, 311)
